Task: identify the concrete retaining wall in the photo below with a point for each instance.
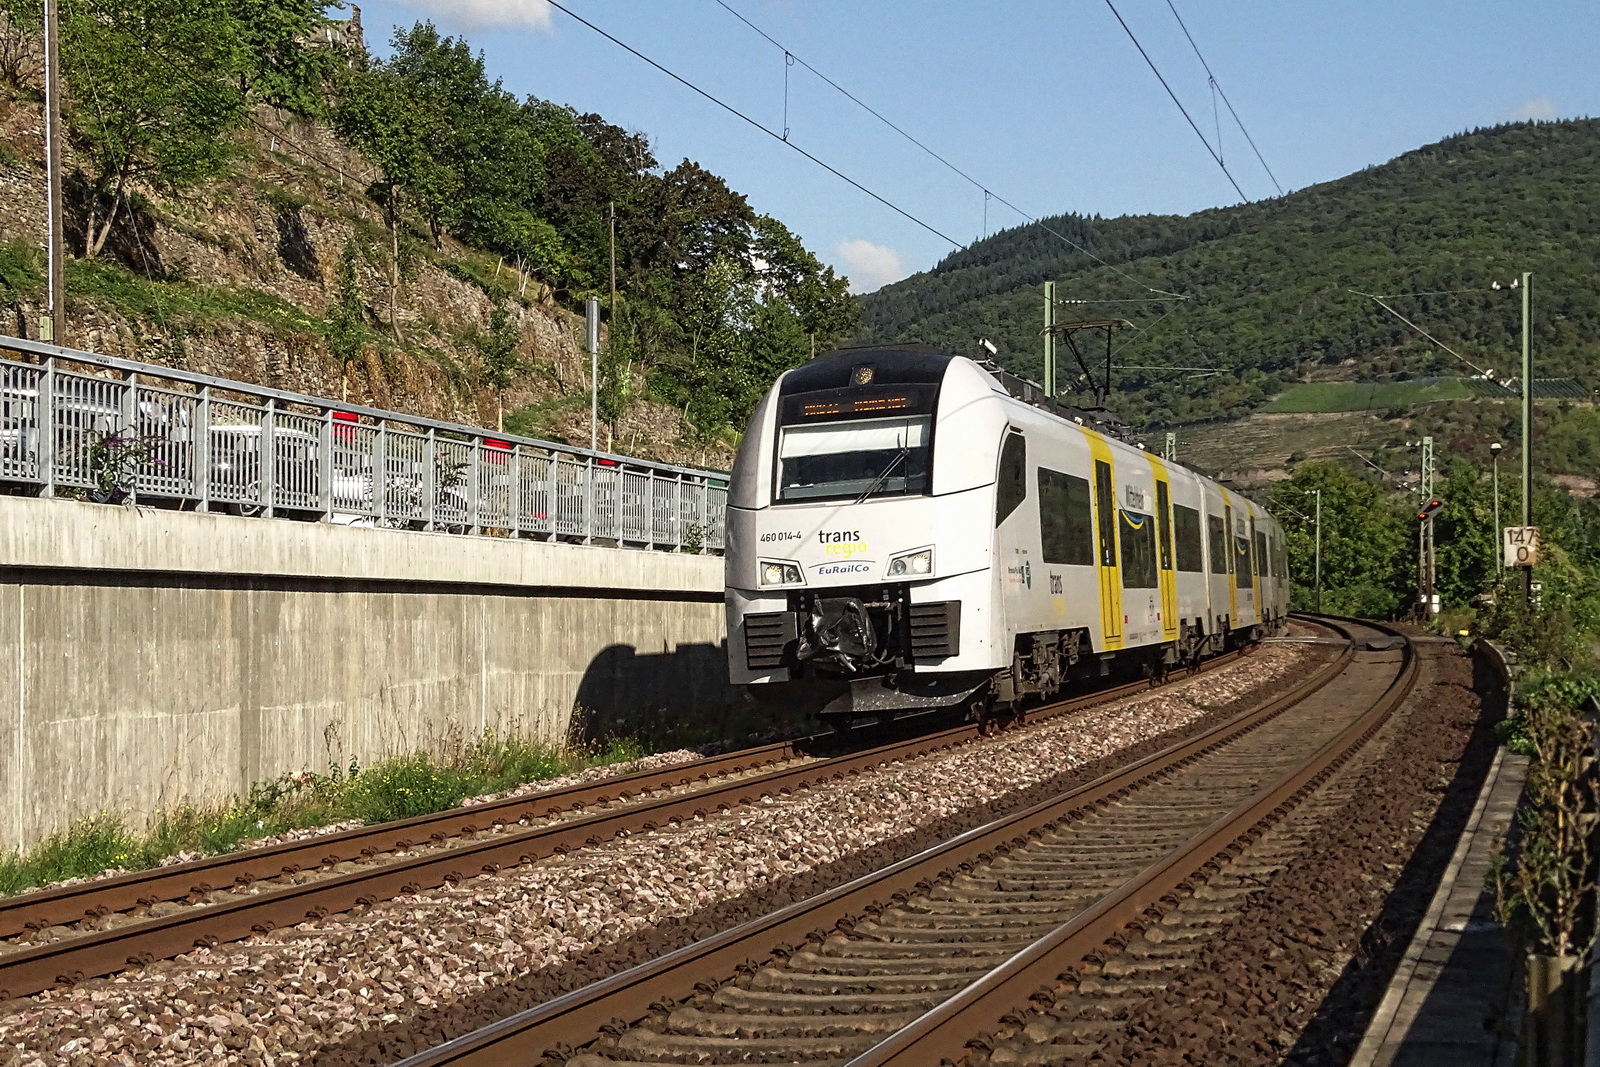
(149, 657)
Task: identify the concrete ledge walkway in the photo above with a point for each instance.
(71, 536)
(1447, 1004)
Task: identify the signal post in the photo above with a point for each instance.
(1429, 603)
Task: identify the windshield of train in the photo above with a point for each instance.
(864, 458)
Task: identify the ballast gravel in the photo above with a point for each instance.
(328, 991)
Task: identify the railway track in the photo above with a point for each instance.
(66, 935)
(909, 963)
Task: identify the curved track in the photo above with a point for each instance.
(65, 935)
(907, 964)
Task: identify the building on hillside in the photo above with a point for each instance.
(340, 34)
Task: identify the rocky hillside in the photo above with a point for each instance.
(237, 279)
(266, 200)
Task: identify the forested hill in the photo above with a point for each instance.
(1267, 283)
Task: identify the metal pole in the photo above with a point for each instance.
(1527, 430)
(613, 257)
(325, 465)
(1425, 578)
(592, 338)
(52, 149)
(1049, 339)
(1105, 397)
(1495, 550)
(201, 450)
(1319, 550)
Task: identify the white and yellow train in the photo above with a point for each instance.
(903, 533)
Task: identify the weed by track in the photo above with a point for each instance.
(397, 788)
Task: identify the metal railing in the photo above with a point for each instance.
(100, 428)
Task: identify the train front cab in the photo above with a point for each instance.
(858, 530)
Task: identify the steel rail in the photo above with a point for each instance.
(987, 1002)
(574, 1019)
(89, 900)
(73, 959)
(92, 900)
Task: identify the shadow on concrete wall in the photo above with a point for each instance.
(675, 698)
(659, 697)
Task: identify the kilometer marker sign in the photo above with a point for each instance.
(1521, 546)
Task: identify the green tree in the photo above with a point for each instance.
(820, 300)
(484, 151)
(1466, 547)
(379, 114)
(154, 94)
(1368, 567)
(347, 333)
(497, 352)
(717, 312)
(273, 65)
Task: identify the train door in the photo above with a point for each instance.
(1165, 576)
(1228, 542)
(1258, 545)
(1105, 506)
(1014, 536)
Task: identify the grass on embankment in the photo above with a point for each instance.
(1365, 396)
(397, 788)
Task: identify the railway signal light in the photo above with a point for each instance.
(1430, 509)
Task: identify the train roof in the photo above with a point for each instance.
(906, 364)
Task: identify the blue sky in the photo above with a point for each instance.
(1048, 105)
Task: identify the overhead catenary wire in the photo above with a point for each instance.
(1435, 292)
(1186, 117)
(1153, 366)
(1063, 301)
(1380, 302)
(988, 193)
(1216, 87)
(774, 134)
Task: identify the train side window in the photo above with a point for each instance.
(1138, 550)
(1219, 544)
(1186, 528)
(1243, 574)
(1066, 529)
(1164, 525)
(1261, 555)
(1011, 487)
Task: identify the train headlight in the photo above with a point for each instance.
(911, 564)
(777, 572)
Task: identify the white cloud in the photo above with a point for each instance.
(1539, 107)
(870, 266)
(473, 14)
